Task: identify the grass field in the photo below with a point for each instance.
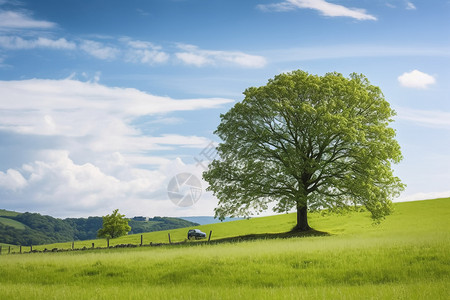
(405, 257)
(8, 213)
(12, 223)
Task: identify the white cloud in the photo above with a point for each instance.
(19, 20)
(194, 59)
(416, 79)
(57, 185)
(15, 42)
(410, 6)
(184, 141)
(146, 56)
(56, 182)
(192, 55)
(99, 50)
(78, 108)
(136, 51)
(144, 52)
(139, 44)
(325, 8)
(12, 180)
(91, 156)
(429, 118)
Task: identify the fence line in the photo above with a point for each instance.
(18, 249)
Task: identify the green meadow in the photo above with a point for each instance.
(407, 256)
(12, 223)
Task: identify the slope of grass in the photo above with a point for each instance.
(405, 257)
(415, 217)
(8, 213)
(12, 223)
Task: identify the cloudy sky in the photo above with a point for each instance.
(103, 102)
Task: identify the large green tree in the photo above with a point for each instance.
(114, 225)
(307, 142)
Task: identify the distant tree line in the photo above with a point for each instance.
(158, 224)
(46, 229)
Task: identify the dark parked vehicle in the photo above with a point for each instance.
(196, 234)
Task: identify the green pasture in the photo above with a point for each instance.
(405, 257)
(7, 213)
(12, 223)
(406, 216)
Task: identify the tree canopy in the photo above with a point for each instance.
(306, 142)
(114, 225)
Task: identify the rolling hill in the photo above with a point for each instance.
(409, 218)
(407, 256)
(35, 229)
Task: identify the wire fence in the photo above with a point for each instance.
(89, 245)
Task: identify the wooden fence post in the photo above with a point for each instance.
(142, 239)
(107, 243)
(31, 248)
(73, 245)
(169, 239)
(20, 249)
(209, 238)
(93, 245)
(9, 249)
(0, 250)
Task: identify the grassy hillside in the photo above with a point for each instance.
(8, 213)
(414, 217)
(406, 257)
(36, 229)
(12, 223)
(9, 222)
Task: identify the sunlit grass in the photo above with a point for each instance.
(12, 223)
(405, 257)
(406, 216)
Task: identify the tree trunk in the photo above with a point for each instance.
(302, 218)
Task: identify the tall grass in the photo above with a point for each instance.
(406, 257)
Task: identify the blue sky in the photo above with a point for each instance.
(103, 102)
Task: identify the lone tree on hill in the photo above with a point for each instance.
(114, 225)
(306, 142)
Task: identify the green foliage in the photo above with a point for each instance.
(27, 236)
(157, 224)
(12, 223)
(433, 214)
(56, 228)
(34, 229)
(114, 225)
(397, 259)
(37, 229)
(85, 228)
(8, 213)
(306, 141)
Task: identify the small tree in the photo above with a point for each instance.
(114, 225)
(306, 142)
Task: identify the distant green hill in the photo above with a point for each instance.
(8, 213)
(12, 223)
(34, 229)
(406, 256)
(417, 218)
